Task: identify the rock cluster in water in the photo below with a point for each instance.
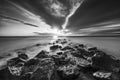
(66, 61)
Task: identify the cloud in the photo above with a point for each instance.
(17, 20)
(28, 22)
(75, 4)
(100, 28)
(55, 8)
(59, 9)
(116, 32)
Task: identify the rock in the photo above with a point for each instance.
(115, 76)
(23, 56)
(60, 60)
(82, 45)
(26, 76)
(99, 53)
(59, 53)
(70, 62)
(104, 62)
(69, 70)
(38, 44)
(55, 47)
(44, 71)
(42, 54)
(92, 49)
(68, 48)
(83, 62)
(61, 41)
(85, 76)
(15, 66)
(76, 54)
(102, 74)
(21, 51)
(31, 66)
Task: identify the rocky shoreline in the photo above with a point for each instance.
(63, 60)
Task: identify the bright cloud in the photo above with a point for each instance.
(100, 28)
(75, 4)
(16, 26)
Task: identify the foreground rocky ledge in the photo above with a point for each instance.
(63, 60)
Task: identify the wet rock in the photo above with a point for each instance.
(42, 54)
(71, 62)
(88, 55)
(68, 48)
(85, 76)
(38, 44)
(61, 41)
(104, 62)
(115, 67)
(92, 49)
(39, 69)
(81, 45)
(55, 47)
(44, 71)
(115, 76)
(31, 66)
(99, 53)
(55, 76)
(59, 53)
(102, 74)
(21, 51)
(64, 42)
(23, 56)
(78, 46)
(68, 72)
(60, 60)
(83, 62)
(71, 65)
(15, 66)
(26, 76)
(76, 54)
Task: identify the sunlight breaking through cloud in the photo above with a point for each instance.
(32, 20)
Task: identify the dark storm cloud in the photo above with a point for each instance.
(89, 17)
(17, 20)
(32, 6)
(44, 9)
(95, 12)
(53, 11)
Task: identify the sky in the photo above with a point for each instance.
(62, 17)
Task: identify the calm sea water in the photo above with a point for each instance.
(109, 44)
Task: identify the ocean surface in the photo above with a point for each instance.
(111, 45)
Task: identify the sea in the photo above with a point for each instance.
(111, 45)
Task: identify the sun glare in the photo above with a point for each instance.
(57, 32)
(55, 37)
